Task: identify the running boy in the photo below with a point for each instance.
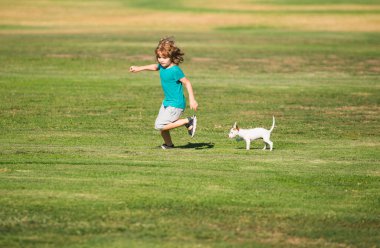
(169, 56)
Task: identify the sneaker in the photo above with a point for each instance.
(193, 123)
(166, 147)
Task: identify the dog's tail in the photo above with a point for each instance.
(271, 129)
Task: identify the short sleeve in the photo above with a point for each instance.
(179, 74)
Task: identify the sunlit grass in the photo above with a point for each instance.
(80, 163)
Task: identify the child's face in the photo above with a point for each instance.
(164, 61)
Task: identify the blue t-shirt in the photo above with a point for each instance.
(172, 87)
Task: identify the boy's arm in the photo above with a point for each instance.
(193, 103)
(152, 67)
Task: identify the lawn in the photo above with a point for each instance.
(80, 163)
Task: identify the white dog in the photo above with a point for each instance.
(251, 134)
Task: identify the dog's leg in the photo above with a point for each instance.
(265, 146)
(248, 144)
(270, 143)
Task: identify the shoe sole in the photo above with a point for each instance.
(167, 147)
(194, 126)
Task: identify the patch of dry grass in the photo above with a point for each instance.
(100, 16)
(241, 5)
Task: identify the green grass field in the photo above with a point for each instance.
(80, 163)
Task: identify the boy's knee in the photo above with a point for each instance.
(158, 127)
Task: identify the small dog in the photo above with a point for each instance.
(251, 134)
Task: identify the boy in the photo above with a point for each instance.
(169, 56)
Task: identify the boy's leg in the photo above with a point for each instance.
(167, 138)
(175, 124)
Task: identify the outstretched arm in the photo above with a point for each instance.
(187, 84)
(152, 67)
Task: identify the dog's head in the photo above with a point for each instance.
(234, 131)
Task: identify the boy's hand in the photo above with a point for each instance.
(133, 69)
(193, 105)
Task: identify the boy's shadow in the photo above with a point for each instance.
(197, 146)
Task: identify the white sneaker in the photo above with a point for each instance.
(192, 122)
(166, 147)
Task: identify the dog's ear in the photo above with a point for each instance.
(234, 125)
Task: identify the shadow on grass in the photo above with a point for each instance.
(197, 146)
(254, 148)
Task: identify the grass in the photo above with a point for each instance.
(79, 159)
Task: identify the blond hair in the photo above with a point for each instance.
(166, 47)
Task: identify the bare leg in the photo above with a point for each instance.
(165, 130)
(167, 138)
(175, 124)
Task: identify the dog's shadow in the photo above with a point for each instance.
(253, 148)
(197, 146)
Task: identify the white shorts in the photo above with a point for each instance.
(167, 115)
